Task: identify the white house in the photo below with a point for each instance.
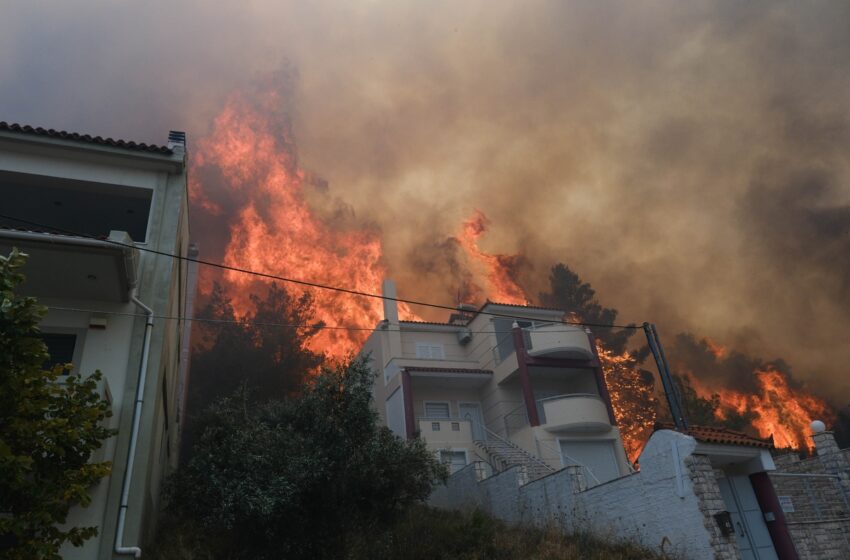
(505, 385)
(88, 211)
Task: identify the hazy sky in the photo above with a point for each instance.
(690, 160)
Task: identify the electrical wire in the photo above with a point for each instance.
(306, 283)
(316, 326)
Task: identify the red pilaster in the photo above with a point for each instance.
(407, 393)
(777, 526)
(525, 377)
(600, 381)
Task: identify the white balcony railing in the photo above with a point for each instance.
(558, 341)
(579, 412)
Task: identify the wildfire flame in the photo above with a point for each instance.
(496, 271)
(632, 398)
(275, 231)
(777, 409)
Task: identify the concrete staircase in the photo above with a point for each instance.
(505, 454)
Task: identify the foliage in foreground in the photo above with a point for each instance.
(231, 351)
(422, 533)
(48, 431)
(296, 478)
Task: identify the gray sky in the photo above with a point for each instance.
(690, 160)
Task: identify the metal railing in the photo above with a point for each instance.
(493, 436)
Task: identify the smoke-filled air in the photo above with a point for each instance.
(688, 160)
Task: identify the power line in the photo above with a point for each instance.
(316, 326)
(296, 281)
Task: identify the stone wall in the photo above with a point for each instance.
(667, 506)
(818, 491)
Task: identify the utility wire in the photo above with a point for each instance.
(317, 326)
(296, 281)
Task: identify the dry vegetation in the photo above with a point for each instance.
(427, 534)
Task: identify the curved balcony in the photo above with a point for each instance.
(579, 412)
(558, 341)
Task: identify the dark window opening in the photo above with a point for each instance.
(60, 347)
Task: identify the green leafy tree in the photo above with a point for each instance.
(294, 478)
(229, 352)
(48, 431)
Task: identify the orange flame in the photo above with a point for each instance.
(499, 282)
(632, 398)
(275, 231)
(779, 411)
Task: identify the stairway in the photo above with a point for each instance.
(505, 454)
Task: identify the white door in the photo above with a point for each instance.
(472, 413)
(751, 532)
(597, 456)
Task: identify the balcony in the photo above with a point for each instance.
(445, 432)
(558, 341)
(576, 413)
(69, 267)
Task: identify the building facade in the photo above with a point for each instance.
(503, 385)
(89, 212)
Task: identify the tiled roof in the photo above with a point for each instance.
(413, 369)
(76, 137)
(430, 323)
(722, 436)
(488, 302)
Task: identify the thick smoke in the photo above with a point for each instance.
(690, 160)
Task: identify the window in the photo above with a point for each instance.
(61, 348)
(435, 426)
(455, 426)
(437, 410)
(429, 351)
(456, 460)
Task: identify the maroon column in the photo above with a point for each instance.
(600, 380)
(407, 394)
(774, 516)
(525, 377)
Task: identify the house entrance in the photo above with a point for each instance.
(472, 413)
(751, 532)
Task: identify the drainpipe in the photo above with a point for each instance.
(134, 434)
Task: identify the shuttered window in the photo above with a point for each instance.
(437, 409)
(427, 351)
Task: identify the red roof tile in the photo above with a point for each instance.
(413, 369)
(488, 302)
(76, 137)
(722, 436)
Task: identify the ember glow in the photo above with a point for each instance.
(778, 409)
(632, 398)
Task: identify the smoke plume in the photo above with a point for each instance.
(690, 160)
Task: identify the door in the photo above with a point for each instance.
(751, 532)
(472, 413)
(597, 457)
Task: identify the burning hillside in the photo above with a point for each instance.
(257, 210)
(741, 392)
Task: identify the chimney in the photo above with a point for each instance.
(390, 305)
(392, 342)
